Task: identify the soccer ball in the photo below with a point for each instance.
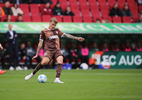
(84, 66)
(42, 78)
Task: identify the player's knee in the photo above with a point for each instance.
(43, 63)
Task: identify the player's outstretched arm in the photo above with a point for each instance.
(73, 37)
(1, 47)
(38, 49)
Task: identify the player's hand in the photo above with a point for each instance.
(80, 39)
(35, 57)
(1, 47)
(15, 35)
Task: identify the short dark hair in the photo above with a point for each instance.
(98, 20)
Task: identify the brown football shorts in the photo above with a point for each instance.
(52, 53)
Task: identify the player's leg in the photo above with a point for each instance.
(59, 69)
(44, 61)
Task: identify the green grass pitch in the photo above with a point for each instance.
(79, 85)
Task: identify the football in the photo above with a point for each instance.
(84, 66)
(42, 78)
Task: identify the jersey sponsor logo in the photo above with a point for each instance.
(53, 37)
(40, 36)
(45, 54)
(56, 32)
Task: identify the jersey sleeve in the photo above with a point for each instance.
(61, 33)
(42, 36)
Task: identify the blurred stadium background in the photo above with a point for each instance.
(119, 30)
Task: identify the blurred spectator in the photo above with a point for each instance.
(73, 54)
(105, 48)
(28, 1)
(138, 47)
(127, 47)
(36, 1)
(57, 10)
(7, 8)
(68, 11)
(98, 21)
(94, 47)
(139, 20)
(2, 11)
(47, 10)
(11, 37)
(105, 21)
(4, 55)
(126, 11)
(84, 53)
(64, 52)
(22, 55)
(17, 2)
(19, 18)
(115, 11)
(115, 47)
(16, 10)
(8, 19)
(140, 2)
(30, 52)
(3, 1)
(45, 1)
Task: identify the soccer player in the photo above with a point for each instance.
(50, 36)
(1, 72)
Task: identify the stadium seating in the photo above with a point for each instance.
(14, 18)
(102, 2)
(92, 2)
(73, 2)
(26, 19)
(87, 19)
(63, 2)
(95, 12)
(126, 19)
(130, 2)
(77, 19)
(64, 7)
(3, 18)
(2, 4)
(34, 9)
(36, 18)
(85, 12)
(94, 7)
(25, 9)
(82, 2)
(121, 2)
(111, 3)
(75, 10)
(86, 8)
(67, 19)
(94, 18)
(107, 18)
(140, 8)
(105, 12)
(116, 19)
(46, 18)
(104, 7)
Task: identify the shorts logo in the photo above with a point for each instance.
(45, 54)
(57, 32)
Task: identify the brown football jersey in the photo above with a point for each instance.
(51, 38)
